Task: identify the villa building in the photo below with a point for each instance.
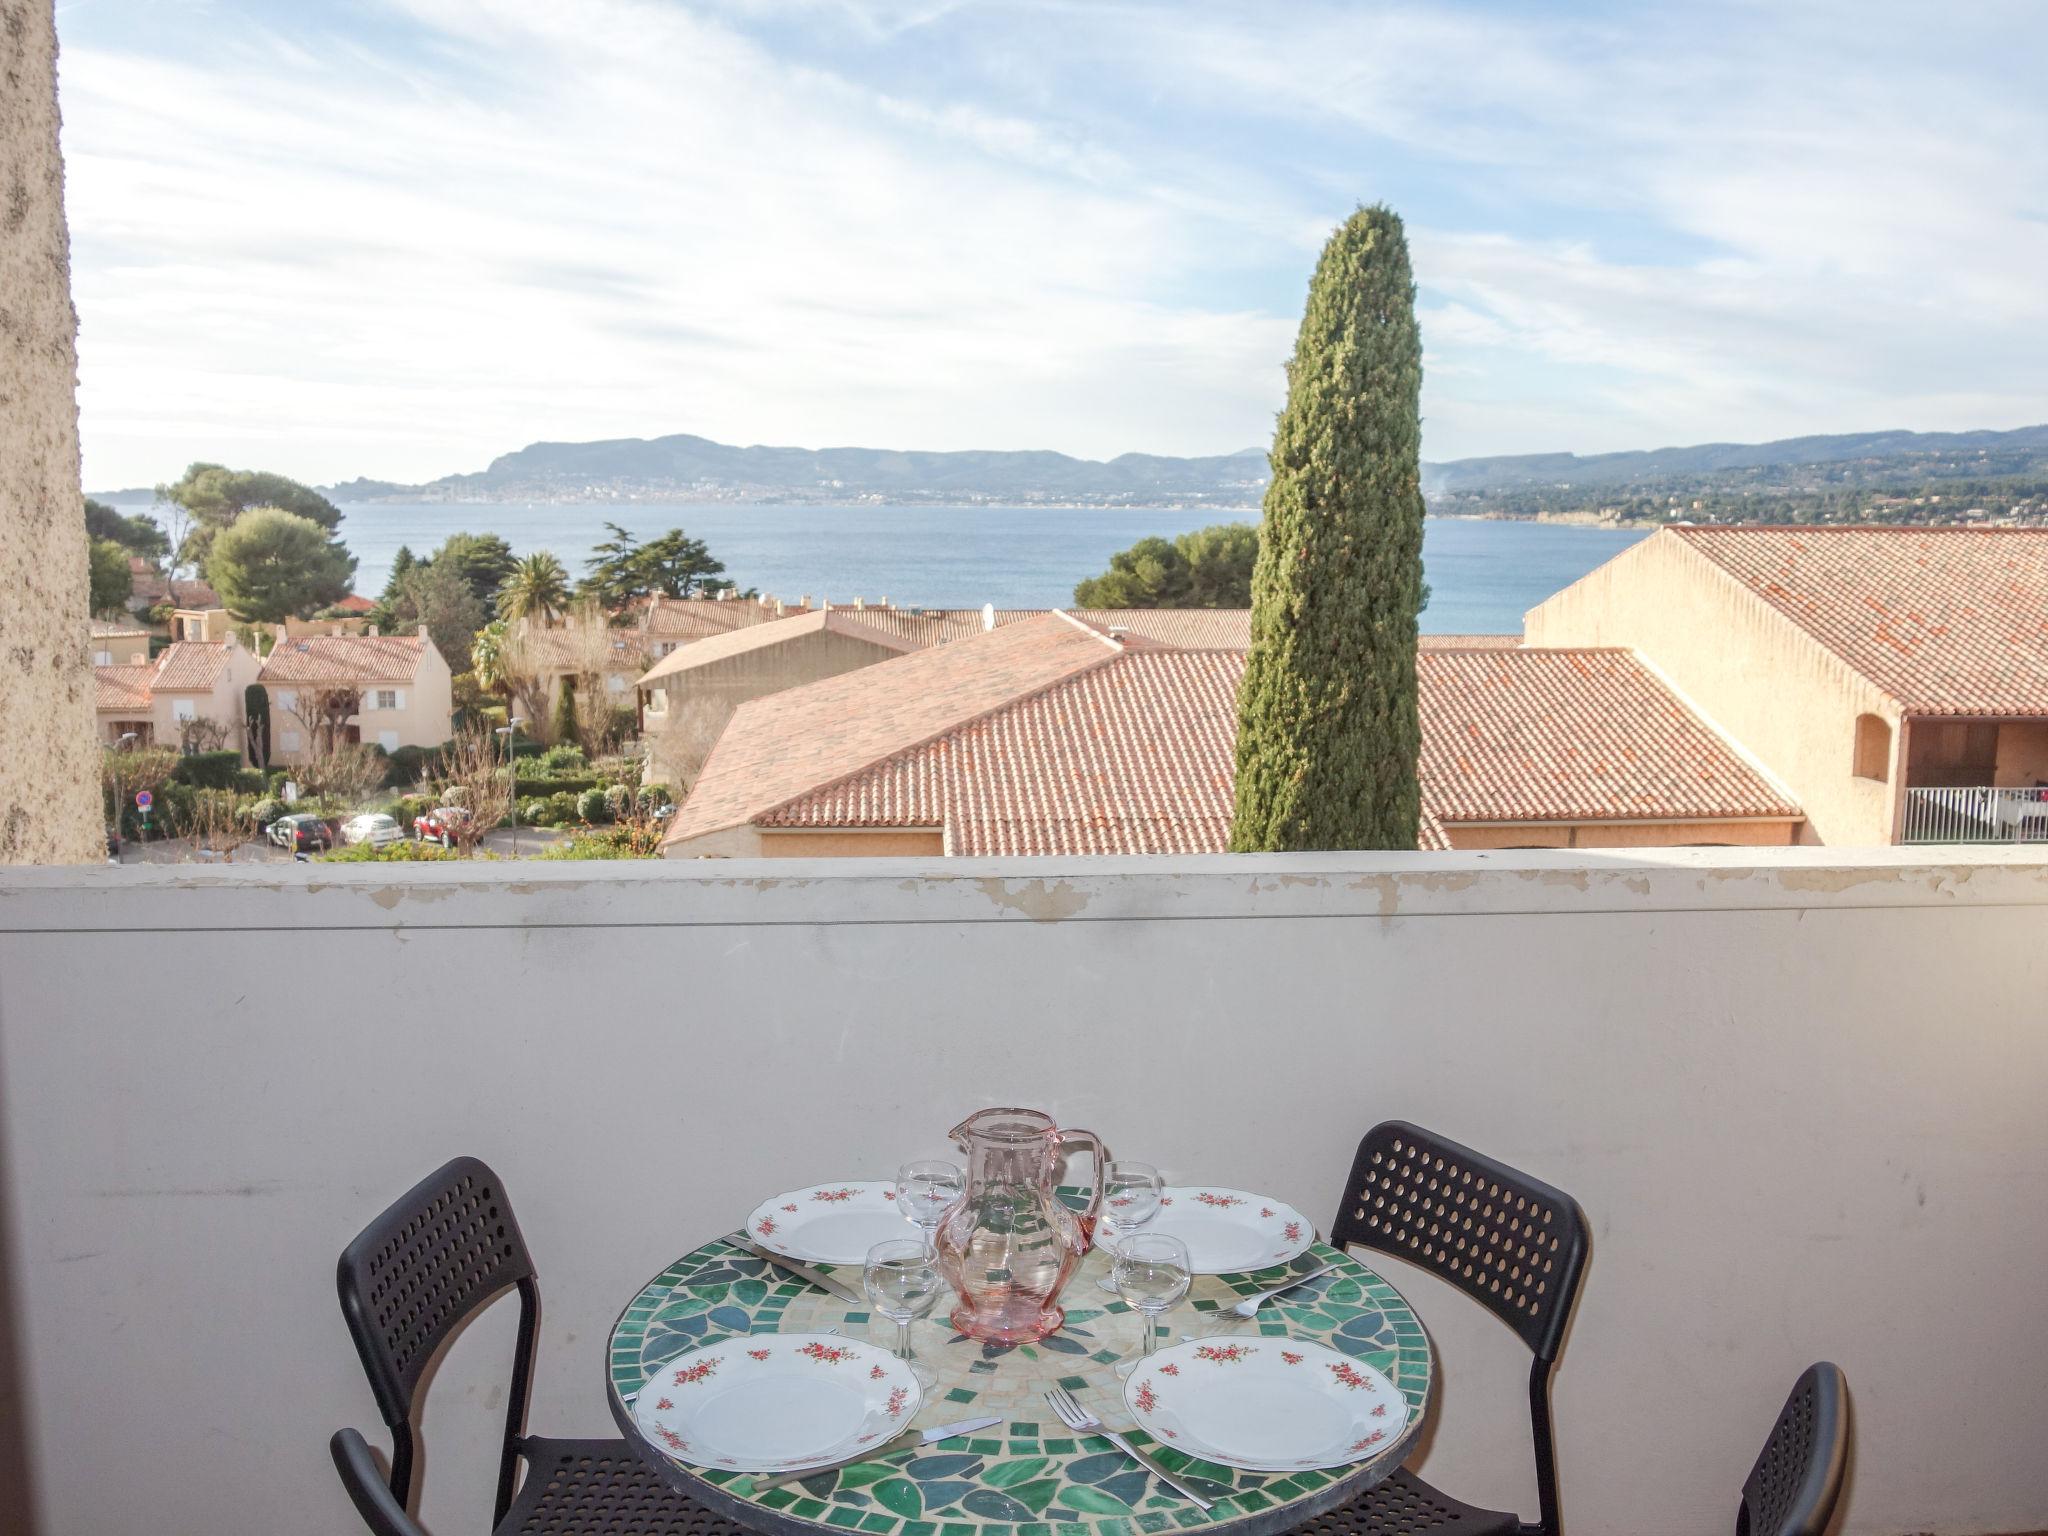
(1055, 736)
(193, 680)
(688, 695)
(404, 688)
(117, 643)
(1895, 680)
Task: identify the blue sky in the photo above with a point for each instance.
(398, 237)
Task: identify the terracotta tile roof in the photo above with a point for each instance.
(1470, 642)
(851, 622)
(122, 687)
(692, 618)
(1137, 755)
(344, 659)
(191, 666)
(1573, 735)
(149, 586)
(785, 744)
(104, 627)
(355, 602)
(938, 626)
(1184, 629)
(565, 650)
(1948, 621)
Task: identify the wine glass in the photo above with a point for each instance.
(903, 1283)
(1152, 1273)
(1130, 1198)
(925, 1192)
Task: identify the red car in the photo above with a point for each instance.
(443, 825)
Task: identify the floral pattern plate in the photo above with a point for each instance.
(776, 1402)
(1265, 1404)
(830, 1223)
(1230, 1232)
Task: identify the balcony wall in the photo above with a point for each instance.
(1797, 1092)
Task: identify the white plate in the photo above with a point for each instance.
(1266, 1404)
(774, 1402)
(830, 1223)
(1229, 1231)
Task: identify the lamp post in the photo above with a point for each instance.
(510, 731)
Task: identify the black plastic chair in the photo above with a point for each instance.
(1511, 1243)
(415, 1275)
(1793, 1487)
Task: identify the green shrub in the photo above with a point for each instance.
(390, 853)
(410, 764)
(618, 800)
(534, 812)
(249, 781)
(267, 810)
(609, 843)
(563, 758)
(592, 807)
(561, 808)
(652, 795)
(208, 770)
(548, 784)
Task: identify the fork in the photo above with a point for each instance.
(1249, 1307)
(1083, 1422)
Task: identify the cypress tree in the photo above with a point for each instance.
(1328, 733)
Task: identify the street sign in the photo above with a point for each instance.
(144, 799)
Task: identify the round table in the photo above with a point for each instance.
(1029, 1475)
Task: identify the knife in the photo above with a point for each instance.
(817, 1277)
(909, 1437)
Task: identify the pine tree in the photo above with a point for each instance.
(1328, 732)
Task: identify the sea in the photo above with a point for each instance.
(1483, 575)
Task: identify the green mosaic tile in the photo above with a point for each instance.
(960, 1394)
(845, 1519)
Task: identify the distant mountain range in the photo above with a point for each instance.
(1826, 477)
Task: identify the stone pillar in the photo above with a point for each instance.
(49, 763)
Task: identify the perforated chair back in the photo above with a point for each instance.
(1793, 1487)
(380, 1509)
(1510, 1242)
(434, 1259)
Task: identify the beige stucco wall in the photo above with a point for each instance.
(701, 700)
(421, 720)
(1791, 704)
(49, 759)
(1629, 834)
(125, 648)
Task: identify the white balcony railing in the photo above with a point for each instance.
(1797, 1090)
(1976, 814)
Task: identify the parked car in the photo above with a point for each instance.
(373, 828)
(301, 833)
(443, 824)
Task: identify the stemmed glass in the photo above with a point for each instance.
(1130, 1198)
(1152, 1273)
(903, 1283)
(924, 1193)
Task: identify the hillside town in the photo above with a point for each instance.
(1864, 687)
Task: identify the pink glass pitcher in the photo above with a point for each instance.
(1007, 1245)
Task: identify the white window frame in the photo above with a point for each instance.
(379, 695)
(183, 710)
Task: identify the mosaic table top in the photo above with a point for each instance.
(1030, 1475)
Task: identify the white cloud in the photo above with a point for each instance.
(645, 224)
(1045, 224)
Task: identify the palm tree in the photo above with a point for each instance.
(538, 588)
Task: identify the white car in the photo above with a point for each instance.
(373, 829)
